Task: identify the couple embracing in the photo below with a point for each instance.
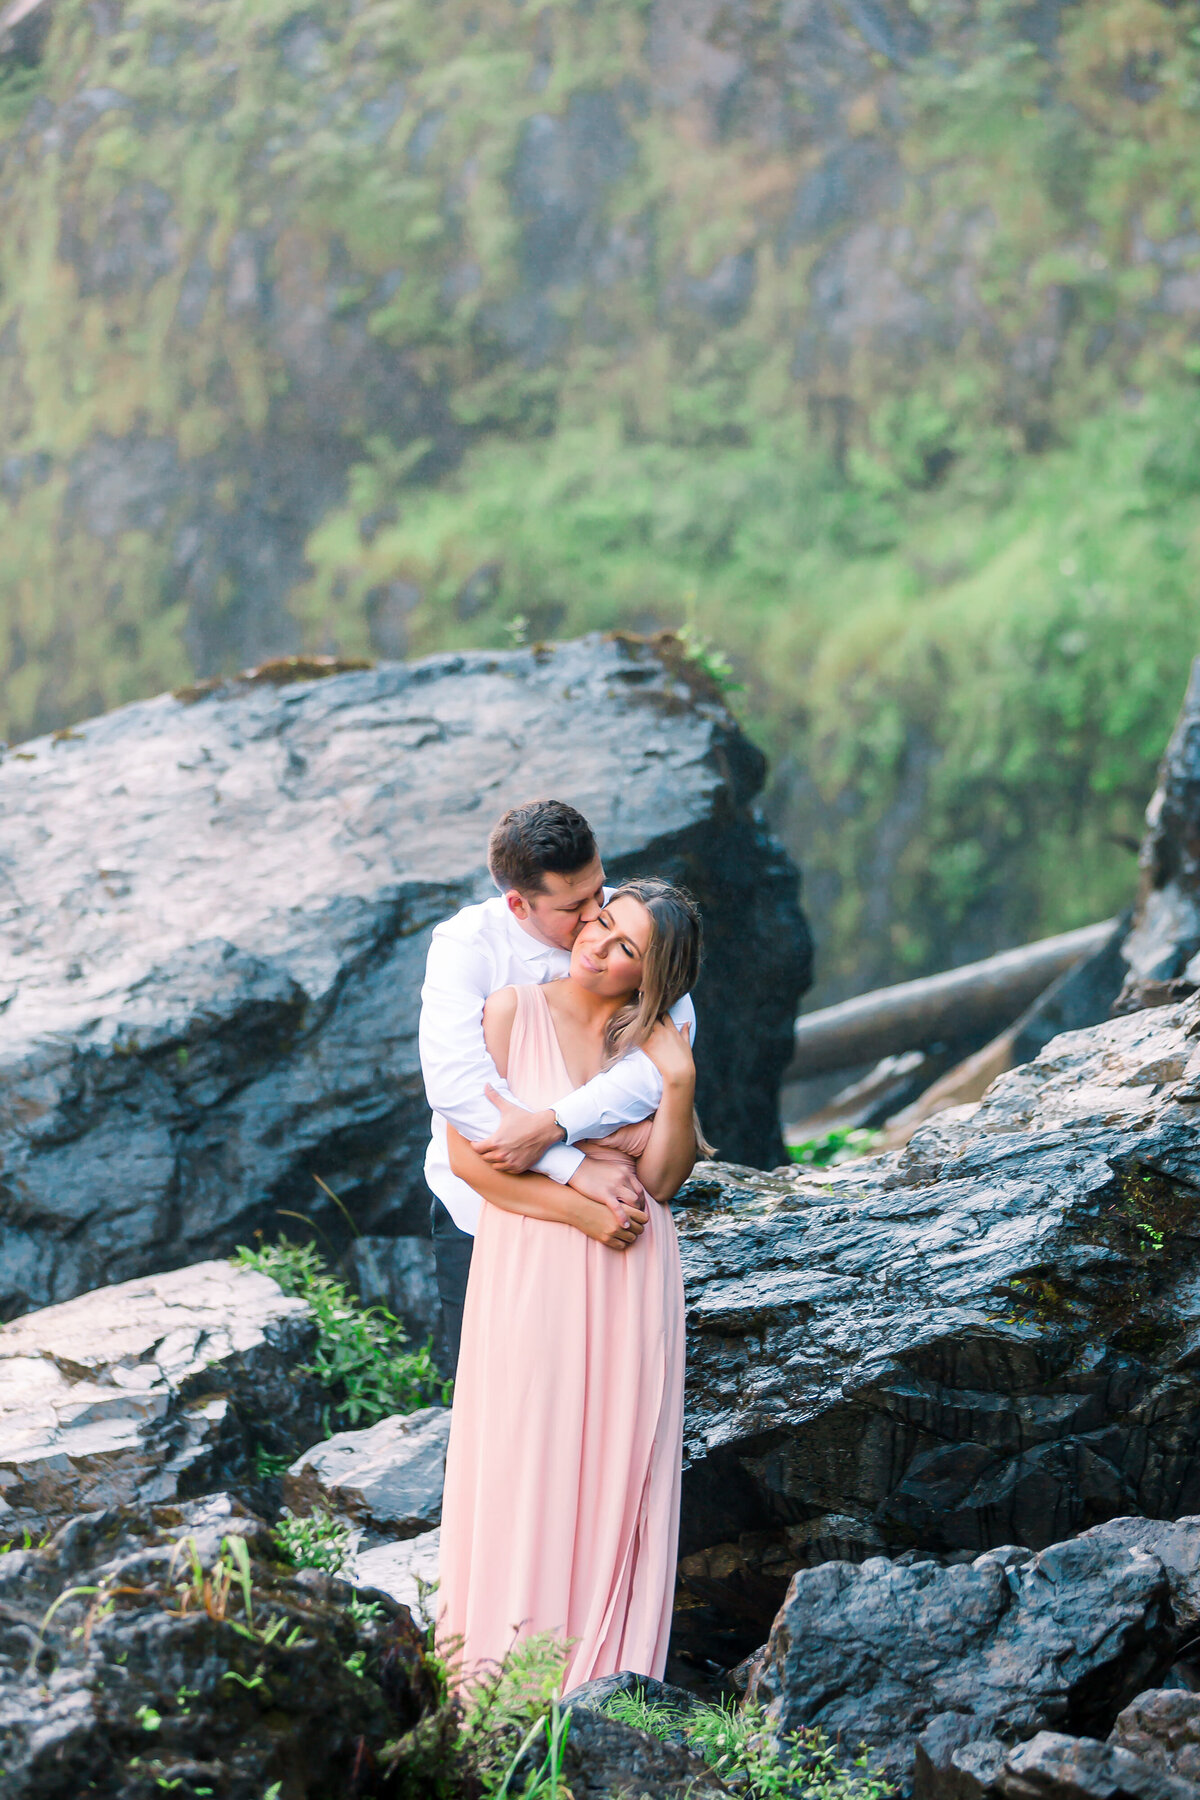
(556, 1027)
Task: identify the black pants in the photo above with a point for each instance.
(452, 1262)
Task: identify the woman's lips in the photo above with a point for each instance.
(593, 968)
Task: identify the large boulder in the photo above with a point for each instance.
(989, 1337)
(389, 1478)
(153, 1650)
(988, 1652)
(220, 906)
(150, 1391)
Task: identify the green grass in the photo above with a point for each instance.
(738, 1744)
(362, 1356)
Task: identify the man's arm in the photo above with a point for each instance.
(454, 1058)
(623, 1095)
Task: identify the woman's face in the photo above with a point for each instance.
(609, 952)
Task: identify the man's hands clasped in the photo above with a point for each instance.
(619, 1205)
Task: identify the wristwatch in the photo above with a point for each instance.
(560, 1125)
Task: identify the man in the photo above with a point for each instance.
(543, 858)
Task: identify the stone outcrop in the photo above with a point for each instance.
(388, 1478)
(217, 914)
(139, 1656)
(982, 1654)
(1163, 1728)
(1162, 951)
(150, 1391)
(986, 1338)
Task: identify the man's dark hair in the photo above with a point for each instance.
(543, 837)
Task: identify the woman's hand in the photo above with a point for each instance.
(670, 1050)
(596, 1221)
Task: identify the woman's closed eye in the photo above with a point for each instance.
(625, 945)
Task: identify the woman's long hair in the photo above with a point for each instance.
(669, 971)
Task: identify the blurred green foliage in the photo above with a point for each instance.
(956, 580)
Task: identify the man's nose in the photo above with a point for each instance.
(589, 912)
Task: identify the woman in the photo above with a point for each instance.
(561, 1505)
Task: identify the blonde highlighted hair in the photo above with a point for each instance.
(670, 967)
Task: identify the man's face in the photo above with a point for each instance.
(556, 915)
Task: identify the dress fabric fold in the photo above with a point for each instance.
(561, 1505)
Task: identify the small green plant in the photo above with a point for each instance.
(148, 1719)
(738, 1744)
(362, 1353)
(317, 1542)
(268, 1466)
(842, 1145)
(701, 651)
(363, 1612)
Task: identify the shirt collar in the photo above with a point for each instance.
(529, 949)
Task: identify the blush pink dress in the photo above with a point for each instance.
(561, 1506)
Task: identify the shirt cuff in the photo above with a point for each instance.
(578, 1120)
(560, 1163)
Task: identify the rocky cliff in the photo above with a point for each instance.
(392, 328)
(218, 907)
(987, 1338)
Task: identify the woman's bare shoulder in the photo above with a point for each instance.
(500, 1008)
(499, 1012)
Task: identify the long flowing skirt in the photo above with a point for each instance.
(561, 1508)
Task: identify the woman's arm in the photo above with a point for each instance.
(538, 1197)
(670, 1154)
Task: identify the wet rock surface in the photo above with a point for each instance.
(210, 963)
(608, 1761)
(389, 1477)
(986, 1338)
(1065, 1768)
(1163, 1728)
(997, 1649)
(151, 1390)
(124, 1674)
(1162, 951)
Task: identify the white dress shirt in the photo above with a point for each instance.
(483, 948)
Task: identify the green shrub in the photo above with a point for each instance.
(738, 1744)
(362, 1353)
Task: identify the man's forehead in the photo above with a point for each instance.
(580, 884)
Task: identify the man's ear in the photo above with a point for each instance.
(517, 904)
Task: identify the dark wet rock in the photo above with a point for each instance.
(986, 1338)
(594, 1694)
(608, 1761)
(389, 1477)
(153, 1390)
(1065, 1768)
(944, 1664)
(1162, 951)
(1081, 996)
(119, 1677)
(1162, 1726)
(211, 961)
(397, 1274)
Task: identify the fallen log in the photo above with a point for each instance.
(24, 27)
(978, 999)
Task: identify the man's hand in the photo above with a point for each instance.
(520, 1139)
(615, 1186)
